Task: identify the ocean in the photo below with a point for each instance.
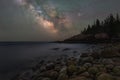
(16, 57)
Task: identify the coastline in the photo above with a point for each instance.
(104, 65)
(93, 41)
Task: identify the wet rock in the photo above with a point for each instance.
(95, 55)
(98, 65)
(116, 70)
(58, 61)
(25, 75)
(63, 70)
(62, 76)
(85, 74)
(71, 61)
(44, 79)
(109, 67)
(66, 49)
(93, 70)
(50, 74)
(44, 74)
(57, 68)
(109, 53)
(105, 76)
(38, 78)
(116, 59)
(107, 61)
(87, 65)
(71, 69)
(87, 60)
(53, 75)
(101, 67)
(81, 70)
(36, 75)
(36, 67)
(117, 78)
(79, 78)
(93, 66)
(42, 68)
(50, 66)
(84, 55)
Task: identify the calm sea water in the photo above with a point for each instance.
(17, 56)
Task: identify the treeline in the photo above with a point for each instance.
(110, 26)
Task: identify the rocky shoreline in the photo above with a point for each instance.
(104, 65)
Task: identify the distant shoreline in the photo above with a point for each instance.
(90, 42)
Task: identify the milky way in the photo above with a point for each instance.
(46, 20)
(47, 15)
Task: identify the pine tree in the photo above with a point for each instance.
(117, 17)
(111, 26)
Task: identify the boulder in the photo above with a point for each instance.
(109, 53)
(116, 70)
(105, 76)
(53, 75)
(81, 70)
(50, 66)
(87, 60)
(109, 67)
(79, 78)
(62, 76)
(44, 79)
(42, 68)
(71, 69)
(95, 55)
(57, 68)
(93, 70)
(100, 67)
(107, 61)
(85, 74)
(49, 73)
(87, 65)
(84, 55)
(63, 70)
(71, 61)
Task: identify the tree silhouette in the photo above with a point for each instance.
(110, 26)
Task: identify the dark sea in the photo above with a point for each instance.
(16, 57)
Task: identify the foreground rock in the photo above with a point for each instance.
(105, 76)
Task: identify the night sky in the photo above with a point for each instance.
(49, 20)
